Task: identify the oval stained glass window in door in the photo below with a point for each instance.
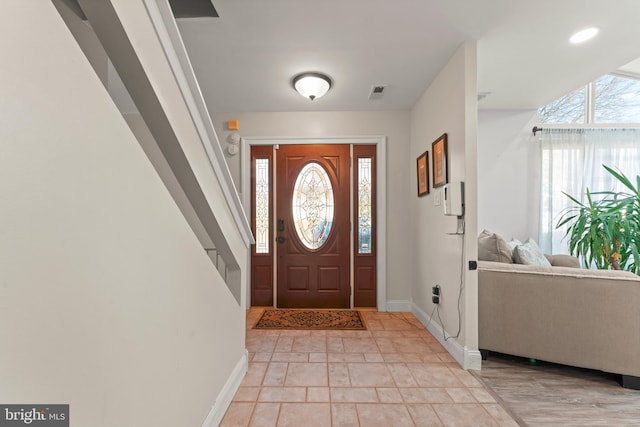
(312, 205)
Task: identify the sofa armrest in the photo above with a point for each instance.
(563, 260)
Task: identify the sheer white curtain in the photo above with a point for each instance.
(571, 162)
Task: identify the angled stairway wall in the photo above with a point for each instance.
(108, 301)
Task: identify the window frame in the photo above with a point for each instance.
(590, 107)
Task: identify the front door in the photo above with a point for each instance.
(313, 226)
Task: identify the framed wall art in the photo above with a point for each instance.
(439, 155)
(423, 173)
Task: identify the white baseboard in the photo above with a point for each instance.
(472, 359)
(399, 305)
(468, 359)
(228, 391)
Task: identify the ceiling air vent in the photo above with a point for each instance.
(376, 91)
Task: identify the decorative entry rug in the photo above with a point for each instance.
(310, 319)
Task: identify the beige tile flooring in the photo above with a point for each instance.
(393, 374)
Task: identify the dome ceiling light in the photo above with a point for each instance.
(312, 85)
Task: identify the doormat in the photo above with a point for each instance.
(310, 319)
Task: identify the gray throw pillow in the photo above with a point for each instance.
(492, 247)
(529, 253)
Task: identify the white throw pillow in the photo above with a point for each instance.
(514, 242)
(529, 253)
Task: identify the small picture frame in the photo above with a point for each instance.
(439, 156)
(422, 163)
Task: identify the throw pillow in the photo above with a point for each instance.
(529, 253)
(492, 247)
(513, 243)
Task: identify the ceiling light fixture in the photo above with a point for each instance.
(312, 85)
(584, 35)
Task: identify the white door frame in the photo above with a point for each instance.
(381, 206)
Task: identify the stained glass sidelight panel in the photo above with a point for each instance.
(262, 206)
(312, 205)
(364, 205)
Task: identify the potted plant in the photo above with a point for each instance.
(606, 232)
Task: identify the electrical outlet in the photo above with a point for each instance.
(435, 294)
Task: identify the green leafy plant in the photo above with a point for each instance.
(606, 232)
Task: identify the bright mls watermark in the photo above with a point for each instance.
(34, 415)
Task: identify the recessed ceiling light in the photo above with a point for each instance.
(584, 35)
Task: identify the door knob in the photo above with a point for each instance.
(280, 239)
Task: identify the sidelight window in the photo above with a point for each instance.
(364, 205)
(262, 205)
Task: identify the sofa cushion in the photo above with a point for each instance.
(581, 273)
(562, 260)
(514, 270)
(529, 253)
(492, 247)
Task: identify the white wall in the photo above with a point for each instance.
(393, 124)
(448, 105)
(107, 300)
(508, 173)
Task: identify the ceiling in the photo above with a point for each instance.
(246, 58)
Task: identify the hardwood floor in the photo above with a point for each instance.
(546, 394)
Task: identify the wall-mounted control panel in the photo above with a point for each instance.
(453, 195)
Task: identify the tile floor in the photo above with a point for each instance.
(393, 374)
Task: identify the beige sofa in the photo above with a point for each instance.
(571, 316)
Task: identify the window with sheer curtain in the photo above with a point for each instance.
(571, 162)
